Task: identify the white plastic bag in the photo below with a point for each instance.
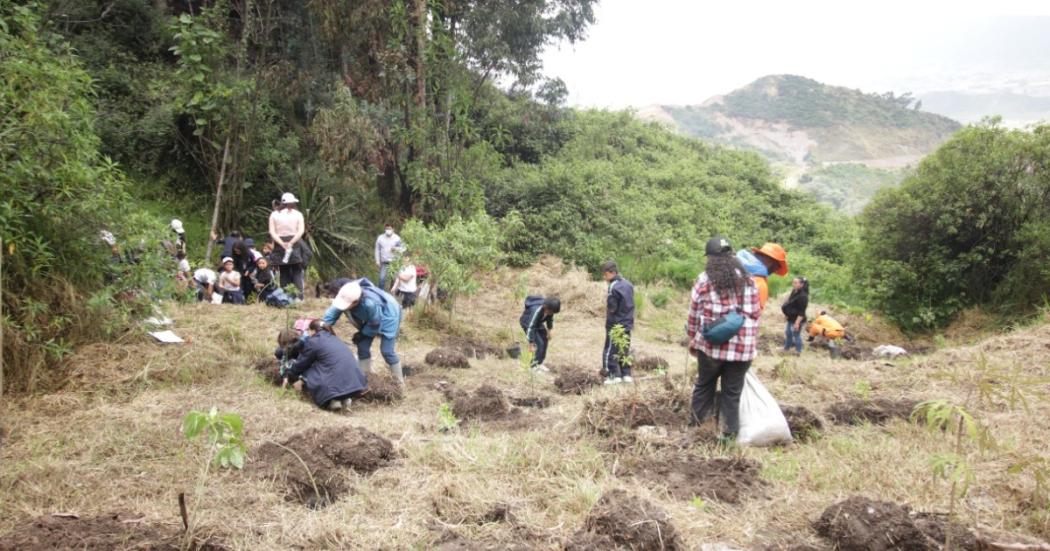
(761, 421)
(216, 298)
(889, 351)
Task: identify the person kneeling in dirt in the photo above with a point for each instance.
(375, 313)
(723, 334)
(328, 369)
(825, 332)
(538, 323)
(771, 258)
(204, 280)
(619, 312)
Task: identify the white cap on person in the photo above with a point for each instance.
(288, 198)
(107, 237)
(347, 296)
(227, 259)
(176, 225)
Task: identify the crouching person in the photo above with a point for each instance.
(327, 368)
(375, 313)
(538, 323)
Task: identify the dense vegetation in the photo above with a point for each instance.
(848, 187)
(970, 228)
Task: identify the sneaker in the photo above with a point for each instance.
(346, 403)
(628, 379)
(335, 405)
(541, 369)
(613, 381)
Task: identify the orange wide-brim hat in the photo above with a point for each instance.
(776, 252)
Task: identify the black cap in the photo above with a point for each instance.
(718, 246)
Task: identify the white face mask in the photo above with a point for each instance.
(389, 232)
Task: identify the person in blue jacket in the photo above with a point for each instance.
(375, 313)
(328, 369)
(538, 323)
(619, 311)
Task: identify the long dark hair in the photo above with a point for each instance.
(726, 273)
(319, 325)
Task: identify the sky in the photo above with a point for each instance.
(680, 52)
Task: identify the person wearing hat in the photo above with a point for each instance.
(619, 312)
(375, 313)
(204, 280)
(230, 283)
(762, 261)
(287, 227)
(180, 234)
(537, 320)
(388, 245)
(723, 334)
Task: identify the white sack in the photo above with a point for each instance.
(761, 421)
(889, 351)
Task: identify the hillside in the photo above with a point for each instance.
(796, 119)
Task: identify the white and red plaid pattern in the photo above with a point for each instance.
(707, 306)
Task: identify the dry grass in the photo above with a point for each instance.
(111, 442)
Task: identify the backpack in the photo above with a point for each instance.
(279, 299)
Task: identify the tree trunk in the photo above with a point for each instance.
(218, 198)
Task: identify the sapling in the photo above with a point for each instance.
(447, 420)
(622, 341)
(225, 448)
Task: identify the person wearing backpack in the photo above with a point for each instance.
(619, 312)
(538, 323)
(723, 334)
(375, 314)
(794, 309)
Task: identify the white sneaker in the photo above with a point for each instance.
(335, 405)
(628, 379)
(541, 369)
(346, 403)
(613, 381)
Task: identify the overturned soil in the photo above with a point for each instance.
(575, 380)
(474, 347)
(331, 453)
(650, 363)
(667, 406)
(729, 480)
(485, 403)
(382, 389)
(862, 524)
(804, 424)
(877, 412)
(105, 532)
(622, 521)
(447, 357)
(269, 369)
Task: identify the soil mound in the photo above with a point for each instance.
(877, 411)
(473, 347)
(862, 524)
(485, 403)
(575, 380)
(447, 357)
(729, 480)
(804, 424)
(381, 389)
(269, 369)
(115, 531)
(623, 521)
(667, 406)
(329, 453)
(650, 363)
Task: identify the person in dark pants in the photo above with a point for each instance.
(287, 227)
(724, 287)
(794, 310)
(619, 304)
(328, 369)
(538, 323)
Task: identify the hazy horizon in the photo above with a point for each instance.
(682, 52)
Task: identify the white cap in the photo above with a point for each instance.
(176, 225)
(288, 198)
(348, 295)
(107, 237)
(227, 259)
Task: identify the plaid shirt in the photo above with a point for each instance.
(707, 306)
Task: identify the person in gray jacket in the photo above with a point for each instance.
(619, 304)
(388, 246)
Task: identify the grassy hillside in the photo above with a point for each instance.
(848, 187)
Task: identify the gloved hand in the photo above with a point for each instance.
(358, 337)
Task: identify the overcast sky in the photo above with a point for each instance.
(641, 52)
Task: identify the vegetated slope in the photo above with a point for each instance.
(788, 117)
(848, 187)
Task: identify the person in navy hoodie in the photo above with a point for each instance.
(328, 369)
(538, 323)
(619, 311)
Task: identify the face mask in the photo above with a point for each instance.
(389, 233)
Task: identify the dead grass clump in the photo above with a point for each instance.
(666, 406)
(381, 389)
(314, 464)
(729, 480)
(650, 363)
(877, 412)
(447, 357)
(804, 424)
(862, 524)
(575, 379)
(485, 403)
(102, 533)
(623, 521)
(269, 369)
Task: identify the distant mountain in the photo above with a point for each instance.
(1015, 109)
(801, 121)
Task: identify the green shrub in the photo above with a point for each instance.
(660, 298)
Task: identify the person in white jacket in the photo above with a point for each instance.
(388, 246)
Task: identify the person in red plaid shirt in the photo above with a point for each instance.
(724, 286)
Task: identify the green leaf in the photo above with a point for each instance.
(193, 423)
(233, 421)
(237, 458)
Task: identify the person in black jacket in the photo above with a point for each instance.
(794, 310)
(538, 323)
(619, 312)
(328, 369)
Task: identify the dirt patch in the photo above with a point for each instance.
(650, 363)
(115, 531)
(623, 521)
(485, 403)
(331, 453)
(862, 524)
(269, 369)
(575, 380)
(447, 357)
(381, 389)
(729, 480)
(474, 347)
(804, 424)
(877, 411)
(667, 406)
(538, 402)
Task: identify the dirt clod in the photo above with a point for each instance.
(575, 380)
(623, 521)
(447, 357)
(381, 389)
(269, 369)
(804, 424)
(730, 480)
(485, 403)
(330, 453)
(862, 524)
(667, 406)
(877, 411)
(114, 531)
(650, 363)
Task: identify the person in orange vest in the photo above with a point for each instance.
(827, 331)
(762, 261)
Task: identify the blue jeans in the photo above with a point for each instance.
(384, 267)
(386, 347)
(793, 337)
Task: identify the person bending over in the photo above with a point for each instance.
(538, 323)
(375, 314)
